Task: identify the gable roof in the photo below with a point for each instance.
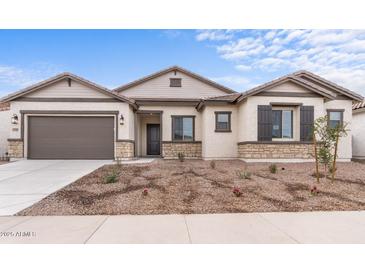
(63, 76)
(307, 80)
(171, 69)
(301, 78)
(320, 80)
(287, 78)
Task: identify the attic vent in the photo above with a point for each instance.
(175, 82)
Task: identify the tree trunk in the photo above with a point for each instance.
(334, 160)
(316, 156)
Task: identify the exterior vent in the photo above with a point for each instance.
(175, 82)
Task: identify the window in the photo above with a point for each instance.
(282, 124)
(222, 121)
(175, 82)
(335, 118)
(183, 128)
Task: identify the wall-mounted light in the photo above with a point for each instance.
(121, 119)
(14, 119)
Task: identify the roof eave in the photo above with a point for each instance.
(351, 94)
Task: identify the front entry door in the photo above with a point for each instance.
(153, 139)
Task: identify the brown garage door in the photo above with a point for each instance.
(70, 137)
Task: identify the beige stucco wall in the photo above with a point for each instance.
(358, 135)
(289, 87)
(160, 88)
(219, 144)
(125, 131)
(61, 89)
(176, 110)
(345, 144)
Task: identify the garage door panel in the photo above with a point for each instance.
(70, 137)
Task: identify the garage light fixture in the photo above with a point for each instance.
(121, 119)
(14, 119)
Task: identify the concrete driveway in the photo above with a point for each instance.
(26, 182)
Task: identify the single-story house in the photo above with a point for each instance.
(358, 130)
(175, 111)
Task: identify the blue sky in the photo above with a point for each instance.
(239, 59)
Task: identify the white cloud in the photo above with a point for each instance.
(14, 76)
(17, 78)
(243, 67)
(236, 82)
(286, 53)
(214, 35)
(338, 55)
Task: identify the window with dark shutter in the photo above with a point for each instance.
(264, 123)
(306, 123)
(175, 82)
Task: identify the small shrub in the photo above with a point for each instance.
(320, 175)
(273, 168)
(237, 191)
(331, 170)
(111, 178)
(181, 156)
(212, 164)
(244, 175)
(314, 191)
(145, 192)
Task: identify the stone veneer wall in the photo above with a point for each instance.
(276, 151)
(193, 150)
(15, 148)
(124, 149)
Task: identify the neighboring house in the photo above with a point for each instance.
(173, 111)
(4, 128)
(358, 130)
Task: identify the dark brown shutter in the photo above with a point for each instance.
(264, 120)
(306, 123)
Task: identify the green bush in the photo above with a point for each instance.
(112, 178)
(273, 168)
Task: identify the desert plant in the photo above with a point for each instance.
(273, 168)
(314, 191)
(331, 169)
(326, 148)
(145, 192)
(244, 175)
(212, 164)
(181, 156)
(112, 177)
(317, 175)
(237, 191)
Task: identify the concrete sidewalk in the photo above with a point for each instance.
(305, 227)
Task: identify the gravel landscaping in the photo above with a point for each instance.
(194, 186)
